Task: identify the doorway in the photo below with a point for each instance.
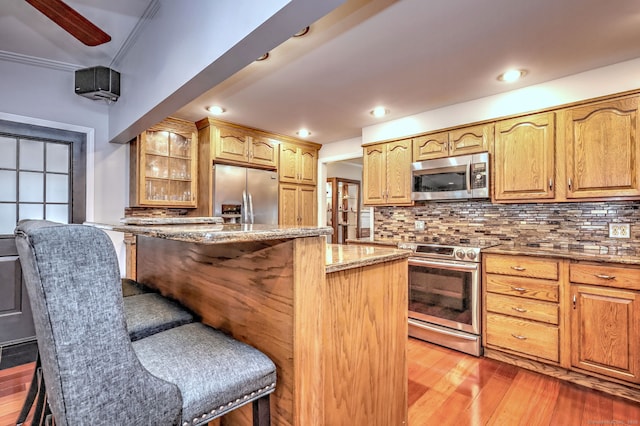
(43, 176)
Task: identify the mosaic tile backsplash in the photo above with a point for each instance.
(561, 225)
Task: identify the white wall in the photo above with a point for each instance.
(46, 97)
(181, 52)
(590, 84)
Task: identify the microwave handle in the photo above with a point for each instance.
(469, 177)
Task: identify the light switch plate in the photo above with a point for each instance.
(419, 225)
(619, 230)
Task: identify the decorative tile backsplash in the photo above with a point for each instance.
(573, 225)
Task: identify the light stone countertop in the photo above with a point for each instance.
(143, 220)
(346, 256)
(602, 254)
(376, 242)
(217, 233)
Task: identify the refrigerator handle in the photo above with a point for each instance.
(251, 209)
(244, 208)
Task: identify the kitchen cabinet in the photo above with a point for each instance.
(343, 209)
(386, 174)
(522, 311)
(163, 165)
(234, 144)
(605, 320)
(524, 158)
(466, 140)
(602, 147)
(297, 205)
(298, 163)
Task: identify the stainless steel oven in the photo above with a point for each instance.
(444, 295)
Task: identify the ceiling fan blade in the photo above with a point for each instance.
(71, 21)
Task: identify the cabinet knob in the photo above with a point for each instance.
(550, 184)
(520, 289)
(606, 277)
(517, 309)
(518, 268)
(575, 301)
(569, 184)
(519, 337)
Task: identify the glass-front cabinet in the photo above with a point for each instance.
(164, 164)
(343, 209)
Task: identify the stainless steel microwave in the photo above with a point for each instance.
(451, 178)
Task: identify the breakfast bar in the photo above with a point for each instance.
(332, 318)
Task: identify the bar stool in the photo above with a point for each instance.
(95, 374)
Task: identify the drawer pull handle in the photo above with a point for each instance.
(606, 277)
(519, 309)
(518, 268)
(517, 336)
(521, 289)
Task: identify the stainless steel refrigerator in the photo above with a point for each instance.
(245, 195)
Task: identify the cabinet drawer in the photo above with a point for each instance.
(528, 337)
(531, 288)
(605, 275)
(523, 308)
(522, 266)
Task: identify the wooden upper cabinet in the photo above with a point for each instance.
(386, 173)
(164, 165)
(231, 144)
(431, 146)
(471, 140)
(466, 140)
(298, 205)
(298, 164)
(374, 174)
(234, 144)
(602, 149)
(524, 158)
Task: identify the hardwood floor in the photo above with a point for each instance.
(450, 388)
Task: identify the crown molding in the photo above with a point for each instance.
(147, 15)
(39, 62)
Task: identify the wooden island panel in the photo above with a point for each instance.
(365, 345)
(264, 293)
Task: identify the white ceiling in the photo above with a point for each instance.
(409, 55)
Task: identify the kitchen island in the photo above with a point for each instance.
(332, 318)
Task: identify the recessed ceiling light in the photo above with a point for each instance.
(302, 32)
(512, 75)
(216, 110)
(263, 57)
(303, 133)
(379, 111)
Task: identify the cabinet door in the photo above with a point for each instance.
(470, 140)
(431, 146)
(288, 204)
(232, 144)
(374, 174)
(263, 152)
(399, 172)
(307, 166)
(307, 201)
(288, 169)
(604, 331)
(603, 149)
(524, 155)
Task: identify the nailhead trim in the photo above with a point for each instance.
(222, 407)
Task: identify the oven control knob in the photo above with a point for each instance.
(460, 254)
(471, 254)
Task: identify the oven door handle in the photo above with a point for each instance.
(456, 266)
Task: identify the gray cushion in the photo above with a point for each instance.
(214, 372)
(150, 313)
(131, 288)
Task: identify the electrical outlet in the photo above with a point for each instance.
(619, 230)
(419, 225)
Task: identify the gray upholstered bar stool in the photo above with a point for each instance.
(95, 375)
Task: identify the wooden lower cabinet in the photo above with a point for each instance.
(580, 323)
(604, 332)
(297, 205)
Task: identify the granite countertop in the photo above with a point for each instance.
(141, 220)
(595, 254)
(217, 233)
(341, 256)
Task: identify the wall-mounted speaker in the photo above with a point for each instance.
(98, 83)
